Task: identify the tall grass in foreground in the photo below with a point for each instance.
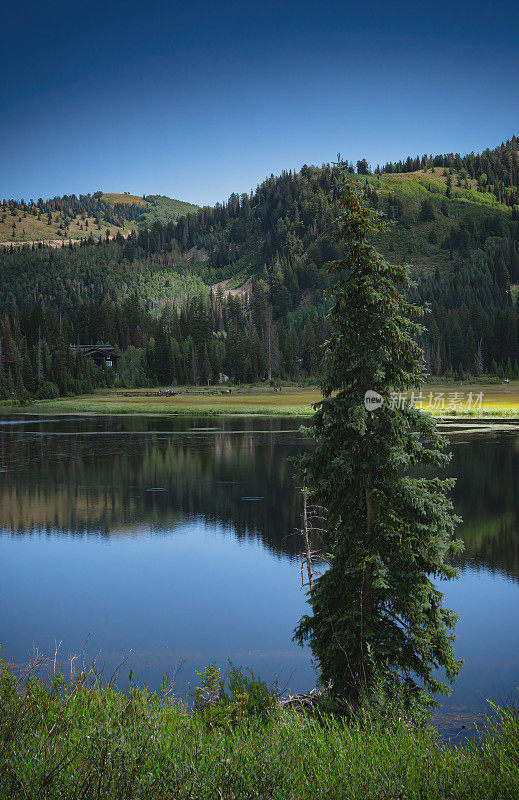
(77, 738)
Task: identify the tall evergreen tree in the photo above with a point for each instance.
(162, 358)
(376, 612)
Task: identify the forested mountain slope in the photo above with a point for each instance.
(77, 218)
(453, 219)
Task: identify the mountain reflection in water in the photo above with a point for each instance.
(58, 479)
(185, 546)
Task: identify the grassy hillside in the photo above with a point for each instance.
(293, 217)
(409, 239)
(164, 209)
(113, 198)
(418, 241)
(152, 207)
(74, 218)
(289, 221)
(29, 226)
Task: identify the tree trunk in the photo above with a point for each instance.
(306, 536)
(367, 589)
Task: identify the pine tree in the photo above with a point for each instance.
(206, 373)
(162, 360)
(376, 613)
(271, 345)
(427, 210)
(195, 368)
(61, 364)
(8, 352)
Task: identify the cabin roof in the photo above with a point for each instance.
(106, 350)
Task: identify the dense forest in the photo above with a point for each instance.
(239, 289)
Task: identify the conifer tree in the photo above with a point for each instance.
(376, 613)
(161, 365)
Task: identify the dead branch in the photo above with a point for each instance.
(306, 537)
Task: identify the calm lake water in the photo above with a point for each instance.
(174, 539)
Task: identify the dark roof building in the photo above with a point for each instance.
(103, 355)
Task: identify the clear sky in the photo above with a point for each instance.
(198, 99)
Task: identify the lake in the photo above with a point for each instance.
(173, 540)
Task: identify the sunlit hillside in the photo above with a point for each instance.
(71, 218)
(30, 226)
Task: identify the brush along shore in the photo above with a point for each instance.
(76, 738)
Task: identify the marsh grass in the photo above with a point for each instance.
(498, 401)
(76, 737)
(244, 401)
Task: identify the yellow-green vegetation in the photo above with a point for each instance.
(35, 227)
(118, 213)
(160, 208)
(442, 400)
(152, 207)
(470, 399)
(255, 400)
(72, 738)
(437, 175)
(124, 197)
(417, 241)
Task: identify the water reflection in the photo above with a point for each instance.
(487, 497)
(159, 535)
(109, 475)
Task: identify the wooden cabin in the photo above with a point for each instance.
(103, 355)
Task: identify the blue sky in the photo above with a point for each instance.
(197, 99)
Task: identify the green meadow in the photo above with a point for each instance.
(443, 400)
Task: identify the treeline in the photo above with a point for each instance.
(496, 171)
(70, 206)
(95, 270)
(274, 243)
(284, 229)
(472, 324)
(210, 340)
(286, 214)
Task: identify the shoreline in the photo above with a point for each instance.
(491, 418)
(499, 403)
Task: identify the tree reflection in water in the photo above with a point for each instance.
(111, 478)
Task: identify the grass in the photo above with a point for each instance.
(291, 401)
(76, 738)
(121, 197)
(462, 399)
(155, 208)
(29, 228)
(410, 241)
(443, 400)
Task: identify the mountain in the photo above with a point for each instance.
(454, 219)
(77, 218)
(164, 209)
